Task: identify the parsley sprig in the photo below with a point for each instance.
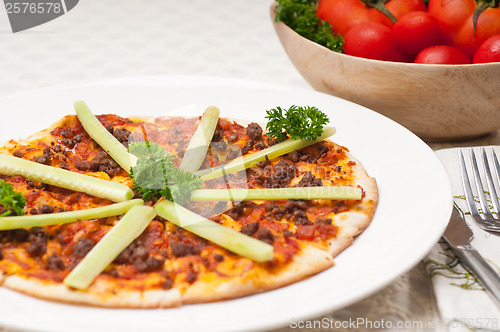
(300, 122)
(155, 175)
(300, 15)
(10, 200)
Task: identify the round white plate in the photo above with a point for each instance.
(415, 202)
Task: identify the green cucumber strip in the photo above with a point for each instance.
(16, 222)
(111, 245)
(332, 192)
(198, 146)
(271, 152)
(225, 237)
(103, 137)
(114, 191)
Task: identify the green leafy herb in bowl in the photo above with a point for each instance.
(300, 15)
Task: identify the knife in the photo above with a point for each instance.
(459, 235)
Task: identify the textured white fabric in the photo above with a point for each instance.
(116, 38)
(462, 302)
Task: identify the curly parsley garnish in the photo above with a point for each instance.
(155, 175)
(299, 122)
(300, 15)
(10, 200)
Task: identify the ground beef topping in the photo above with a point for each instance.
(260, 145)
(55, 263)
(296, 211)
(181, 249)
(45, 209)
(265, 235)
(325, 221)
(278, 176)
(248, 146)
(309, 180)
(20, 235)
(122, 135)
(191, 277)
(254, 131)
(274, 210)
(233, 137)
(38, 242)
(82, 247)
(102, 162)
(167, 284)
(250, 228)
(43, 159)
(243, 208)
(218, 134)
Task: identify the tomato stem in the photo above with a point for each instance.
(482, 6)
(380, 5)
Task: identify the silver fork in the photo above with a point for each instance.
(485, 220)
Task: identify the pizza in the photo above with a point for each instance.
(167, 266)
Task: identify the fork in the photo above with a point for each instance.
(485, 220)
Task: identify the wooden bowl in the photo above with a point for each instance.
(436, 102)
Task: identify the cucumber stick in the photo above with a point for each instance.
(103, 137)
(59, 177)
(271, 152)
(225, 237)
(111, 245)
(16, 222)
(332, 192)
(198, 146)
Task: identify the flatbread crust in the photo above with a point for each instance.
(352, 223)
(310, 259)
(106, 294)
(101, 293)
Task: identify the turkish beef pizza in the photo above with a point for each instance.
(167, 265)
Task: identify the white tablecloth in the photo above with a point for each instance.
(231, 38)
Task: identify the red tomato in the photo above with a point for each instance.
(401, 7)
(372, 41)
(344, 14)
(456, 22)
(416, 31)
(489, 51)
(442, 54)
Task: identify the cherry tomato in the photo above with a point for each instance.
(416, 31)
(442, 54)
(401, 7)
(344, 14)
(372, 41)
(489, 51)
(466, 24)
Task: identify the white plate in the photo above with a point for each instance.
(415, 202)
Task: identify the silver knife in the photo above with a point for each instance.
(459, 235)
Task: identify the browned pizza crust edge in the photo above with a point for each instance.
(308, 262)
(352, 223)
(101, 293)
